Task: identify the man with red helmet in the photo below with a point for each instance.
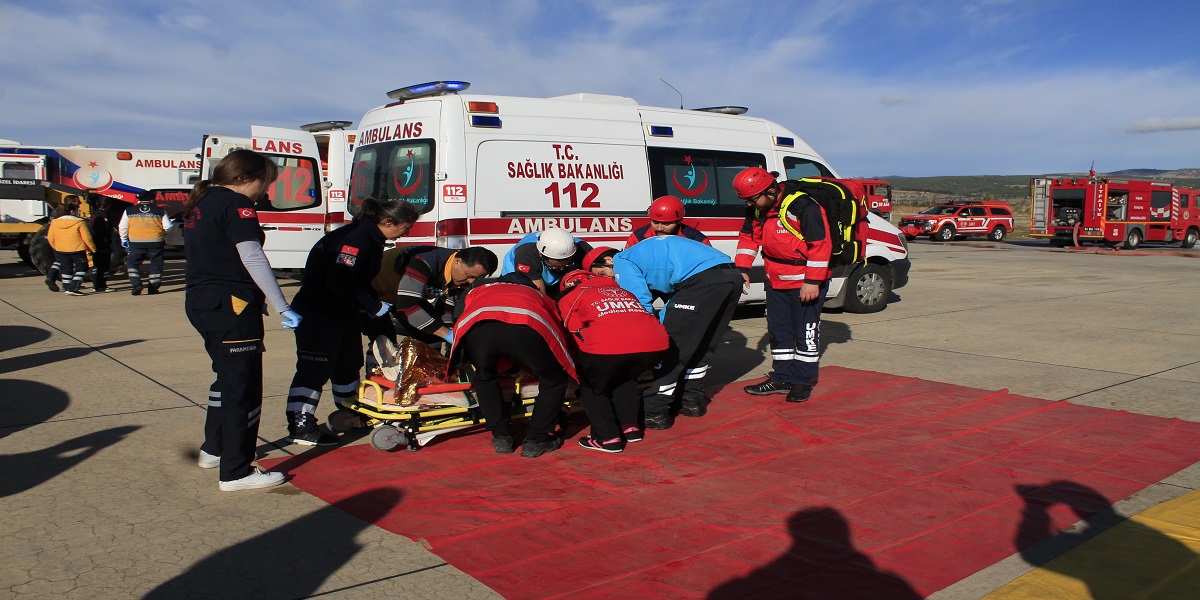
(790, 229)
(617, 341)
(666, 218)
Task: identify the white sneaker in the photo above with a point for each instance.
(256, 479)
(208, 461)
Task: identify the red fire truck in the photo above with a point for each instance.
(879, 196)
(1113, 211)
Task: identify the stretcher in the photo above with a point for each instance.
(440, 408)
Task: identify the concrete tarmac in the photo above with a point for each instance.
(102, 400)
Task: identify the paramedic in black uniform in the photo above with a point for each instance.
(336, 291)
(228, 280)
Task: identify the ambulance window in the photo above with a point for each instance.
(703, 179)
(296, 187)
(801, 167)
(393, 171)
(18, 171)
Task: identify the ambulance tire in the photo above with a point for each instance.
(945, 234)
(1190, 238)
(868, 289)
(997, 234)
(1133, 239)
(40, 251)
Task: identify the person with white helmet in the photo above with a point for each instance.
(545, 256)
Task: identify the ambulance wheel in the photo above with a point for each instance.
(1133, 239)
(997, 234)
(40, 251)
(868, 289)
(1190, 238)
(945, 234)
(343, 420)
(385, 437)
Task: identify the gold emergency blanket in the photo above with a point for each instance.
(419, 365)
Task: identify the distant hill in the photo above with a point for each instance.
(1010, 188)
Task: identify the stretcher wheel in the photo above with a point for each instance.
(343, 420)
(386, 437)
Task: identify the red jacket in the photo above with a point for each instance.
(790, 260)
(519, 305)
(604, 318)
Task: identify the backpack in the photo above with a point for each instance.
(845, 213)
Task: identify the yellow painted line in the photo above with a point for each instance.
(1154, 554)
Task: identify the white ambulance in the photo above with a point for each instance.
(486, 170)
(309, 197)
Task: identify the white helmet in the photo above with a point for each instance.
(556, 243)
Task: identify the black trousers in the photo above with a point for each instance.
(483, 347)
(101, 264)
(608, 389)
(72, 266)
(326, 350)
(233, 340)
(696, 317)
(133, 264)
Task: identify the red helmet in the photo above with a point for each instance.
(595, 255)
(666, 209)
(752, 181)
(574, 278)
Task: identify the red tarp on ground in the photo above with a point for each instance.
(879, 487)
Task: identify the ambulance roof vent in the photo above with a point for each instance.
(326, 126)
(600, 98)
(725, 110)
(9, 143)
(423, 90)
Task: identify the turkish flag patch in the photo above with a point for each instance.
(351, 250)
(523, 268)
(247, 213)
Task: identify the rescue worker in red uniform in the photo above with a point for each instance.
(336, 290)
(600, 261)
(666, 218)
(617, 340)
(228, 281)
(511, 318)
(791, 230)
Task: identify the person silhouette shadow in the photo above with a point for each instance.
(821, 563)
(290, 561)
(1129, 562)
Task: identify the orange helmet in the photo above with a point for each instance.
(666, 209)
(574, 278)
(752, 181)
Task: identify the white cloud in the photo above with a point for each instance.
(1156, 125)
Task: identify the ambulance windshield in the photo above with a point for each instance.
(401, 170)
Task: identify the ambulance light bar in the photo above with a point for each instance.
(326, 126)
(483, 107)
(433, 88)
(725, 110)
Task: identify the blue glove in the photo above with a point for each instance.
(449, 337)
(125, 244)
(383, 310)
(291, 319)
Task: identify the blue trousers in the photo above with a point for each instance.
(795, 331)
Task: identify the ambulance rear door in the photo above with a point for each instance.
(294, 212)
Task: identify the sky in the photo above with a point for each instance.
(877, 87)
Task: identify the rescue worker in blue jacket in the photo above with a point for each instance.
(143, 230)
(702, 287)
(228, 280)
(336, 290)
(545, 256)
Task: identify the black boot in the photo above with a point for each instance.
(659, 420)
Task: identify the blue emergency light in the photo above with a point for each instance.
(423, 90)
(661, 131)
(485, 121)
(786, 142)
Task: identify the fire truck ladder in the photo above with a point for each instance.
(1040, 211)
